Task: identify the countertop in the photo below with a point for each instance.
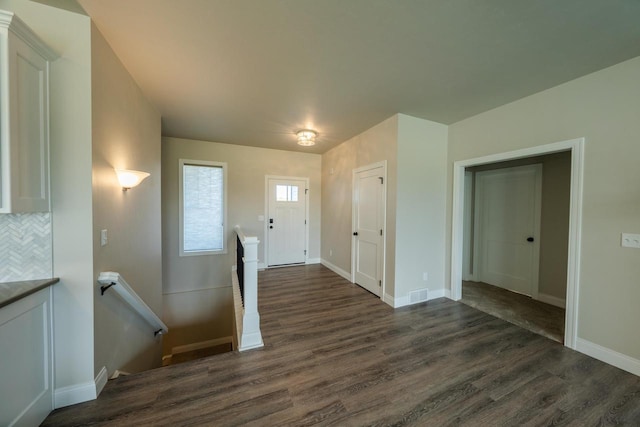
(11, 292)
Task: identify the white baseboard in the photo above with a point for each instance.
(336, 269)
(550, 299)
(78, 393)
(388, 299)
(447, 293)
(313, 261)
(101, 380)
(200, 345)
(609, 356)
(261, 266)
(405, 300)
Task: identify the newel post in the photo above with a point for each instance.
(251, 335)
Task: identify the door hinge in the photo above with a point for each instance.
(380, 283)
(305, 251)
(381, 231)
(305, 222)
(306, 190)
(381, 180)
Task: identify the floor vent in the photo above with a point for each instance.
(418, 296)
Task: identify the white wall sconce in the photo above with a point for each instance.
(306, 137)
(130, 178)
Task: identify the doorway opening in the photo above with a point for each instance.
(576, 149)
(516, 234)
(286, 225)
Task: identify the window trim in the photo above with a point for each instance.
(188, 162)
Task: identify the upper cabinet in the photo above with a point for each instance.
(24, 117)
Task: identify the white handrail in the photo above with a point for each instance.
(113, 280)
(248, 324)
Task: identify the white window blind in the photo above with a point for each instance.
(203, 210)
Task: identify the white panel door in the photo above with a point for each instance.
(286, 223)
(368, 239)
(508, 205)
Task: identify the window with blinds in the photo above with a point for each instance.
(202, 207)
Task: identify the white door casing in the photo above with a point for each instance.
(507, 227)
(286, 222)
(576, 146)
(369, 208)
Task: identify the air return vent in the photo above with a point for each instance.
(418, 296)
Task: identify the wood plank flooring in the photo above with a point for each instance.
(336, 355)
(535, 316)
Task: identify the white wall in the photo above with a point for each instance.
(197, 289)
(603, 107)
(420, 215)
(126, 135)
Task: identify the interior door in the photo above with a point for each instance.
(508, 205)
(287, 221)
(368, 228)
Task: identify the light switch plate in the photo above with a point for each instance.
(104, 239)
(630, 240)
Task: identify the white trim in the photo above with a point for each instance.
(550, 299)
(383, 165)
(101, 380)
(262, 266)
(225, 228)
(609, 356)
(469, 269)
(447, 293)
(575, 222)
(313, 261)
(345, 274)
(200, 345)
(78, 393)
(404, 301)
(307, 196)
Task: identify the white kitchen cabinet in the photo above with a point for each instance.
(24, 117)
(26, 365)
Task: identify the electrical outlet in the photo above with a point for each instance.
(330, 252)
(104, 239)
(630, 240)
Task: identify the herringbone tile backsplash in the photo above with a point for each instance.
(25, 247)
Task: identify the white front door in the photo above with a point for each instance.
(368, 215)
(508, 224)
(286, 224)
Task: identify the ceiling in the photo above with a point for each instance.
(252, 72)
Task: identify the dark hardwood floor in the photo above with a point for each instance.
(336, 355)
(535, 316)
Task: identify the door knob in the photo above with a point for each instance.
(355, 233)
(271, 226)
(530, 239)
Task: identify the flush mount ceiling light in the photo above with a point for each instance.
(130, 178)
(306, 137)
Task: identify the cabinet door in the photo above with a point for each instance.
(26, 369)
(29, 129)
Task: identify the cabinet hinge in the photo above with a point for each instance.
(381, 180)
